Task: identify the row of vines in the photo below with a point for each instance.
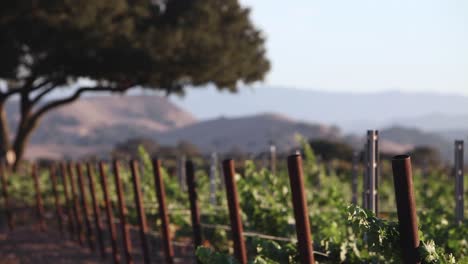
(342, 232)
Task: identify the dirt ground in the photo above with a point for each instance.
(28, 245)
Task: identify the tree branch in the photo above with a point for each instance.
(27, 87)
(5, 95)
(43, 93)
(40, 85)
(75, 96)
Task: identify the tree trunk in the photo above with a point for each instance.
(22, 138)
(4, 132)
(25, 127)
(18, 147)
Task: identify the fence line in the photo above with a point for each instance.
(76, 211)
(161, 195)
(127, 243)
(68, 201)
(96, 211)
(58, 208)
(304, 238)
(84, 207)
(109, 214)
(406, 207)
(140, 210)
(194, 211)
(39, 201)
(459, 185)
(6, 200)
(234, 211)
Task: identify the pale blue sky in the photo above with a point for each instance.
(366, 45)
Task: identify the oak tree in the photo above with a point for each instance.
(117, 45)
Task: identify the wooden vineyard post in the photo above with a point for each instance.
(76, 204)
(6, 199)
(109, 215)
(123, 214)
(234, 211)
(195, 214)
(459, 189)
(58, 207)
(161, 195)
(39, 202)
(84, 207)
(304, 238)
(140, 210)
(68, 200)
(96, 211)
(406, 208)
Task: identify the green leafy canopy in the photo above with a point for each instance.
(166, 44)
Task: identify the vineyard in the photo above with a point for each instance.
(301, 211)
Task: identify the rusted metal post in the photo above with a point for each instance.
(181, 172)
(234, 211)
(123, 214)
(161, 194)
(192, 192)
(140, 211)
(96, 211)
(365, 184)
(76, 204)
(354, 177)
(304, 238)
(109, 214)
(6, 199)
(213, 177)
(273, 159)
(39, 202)
(377, 172)
(367, 175)
(371, 167)
(58, 207)
(459, 189)
(68, 200)
(84, 205)
(406, 208)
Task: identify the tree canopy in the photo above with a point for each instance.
(166, 45)
(329, 150)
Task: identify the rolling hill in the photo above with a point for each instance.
(95, 124)
(250, 133)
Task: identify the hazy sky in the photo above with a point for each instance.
(366, 45)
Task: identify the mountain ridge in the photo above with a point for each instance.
(95, 124)
(352, 112)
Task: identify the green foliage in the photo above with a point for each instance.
(268, 251)
(116, 45)
(208, 256)
(166, 44)
(424, 155)
(430, 254)
(329, 150)
(342, 233)
(262, 203)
